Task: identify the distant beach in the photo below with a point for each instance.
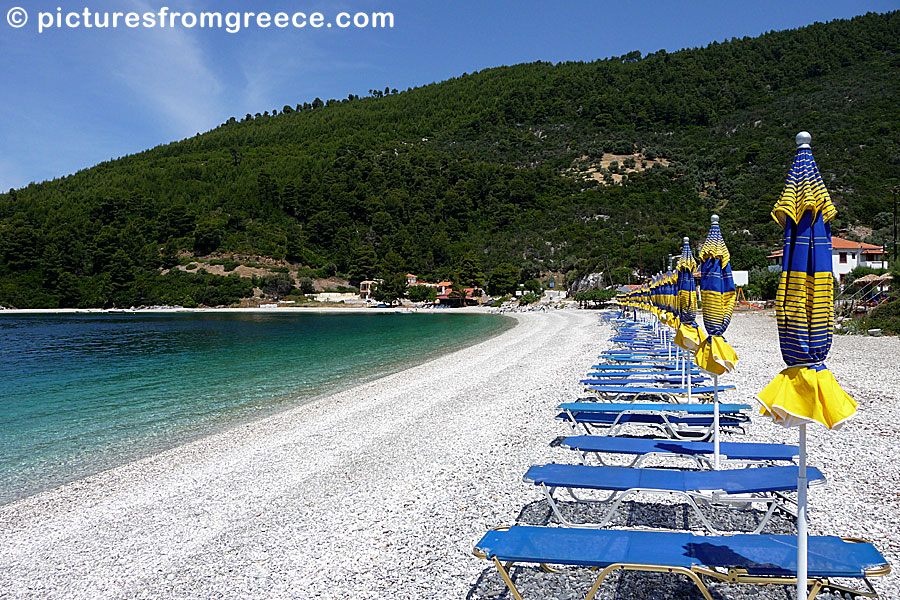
(325, 308)
(381, 490)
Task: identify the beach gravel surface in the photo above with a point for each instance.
(382, 490)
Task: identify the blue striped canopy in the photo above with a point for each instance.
(804, 306)
(688, 334)
(686, 289)
(670, 280)
(718, 294)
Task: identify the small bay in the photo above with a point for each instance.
(83, 393)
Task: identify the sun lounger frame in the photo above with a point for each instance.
(672, 395)
(773, 500)
(668, 427)
(615, 499)
(699, 576)
(700, 460)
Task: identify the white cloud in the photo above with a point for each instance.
(167, 71)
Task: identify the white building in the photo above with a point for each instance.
(365, 288)
(846, 255)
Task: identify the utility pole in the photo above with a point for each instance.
(607, 273)
(640, 258)
(894, 189)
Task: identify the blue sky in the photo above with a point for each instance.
(74, 97)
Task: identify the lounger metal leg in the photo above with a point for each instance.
(615, 500)
(650, 569)
(699, 514)
(733, 501)
(814, 585)
(814, 589)
(554, 507)
(504, 574)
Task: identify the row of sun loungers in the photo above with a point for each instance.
(758, 475)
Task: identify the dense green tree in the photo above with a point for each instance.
(305, 285)
(503, 164)
(534, 286)
(421, 293)
(277, 286)
(621, 276)
(362, 265)
(468, 271)
(503, 280)
(390, 289)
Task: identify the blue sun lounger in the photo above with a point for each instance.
(638, 350)
(614, 392)
(637, 347)
(670, 368)
(635, 359)
(645, 346)
(765, 485)
(740, 559)
(676, 421)
(700, 452)
(660, 381)
(668, 375)
(636, 354)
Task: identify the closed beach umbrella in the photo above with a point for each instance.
(717, 291)
(688, 335)
(805, 391)
(715, 355)
(669, 299)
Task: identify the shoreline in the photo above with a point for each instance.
(256, 511)
(279, 309)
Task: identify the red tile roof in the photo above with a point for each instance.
(838, 243)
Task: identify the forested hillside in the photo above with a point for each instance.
(574, 167)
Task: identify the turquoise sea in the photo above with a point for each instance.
(82, 393)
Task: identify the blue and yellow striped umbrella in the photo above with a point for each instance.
(717, 291)
(688, 335)
(671, 279)
(805, 391)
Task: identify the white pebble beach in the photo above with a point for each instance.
(382, 490)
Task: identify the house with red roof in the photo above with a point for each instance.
(846, 255)
(468, 297)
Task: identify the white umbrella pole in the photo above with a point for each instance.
(801, 518)
(716, 422)
(689, 369)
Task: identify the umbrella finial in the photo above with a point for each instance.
(715, 219)
(803, 139)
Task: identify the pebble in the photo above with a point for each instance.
(382, 490)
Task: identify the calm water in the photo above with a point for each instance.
(81, 393)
